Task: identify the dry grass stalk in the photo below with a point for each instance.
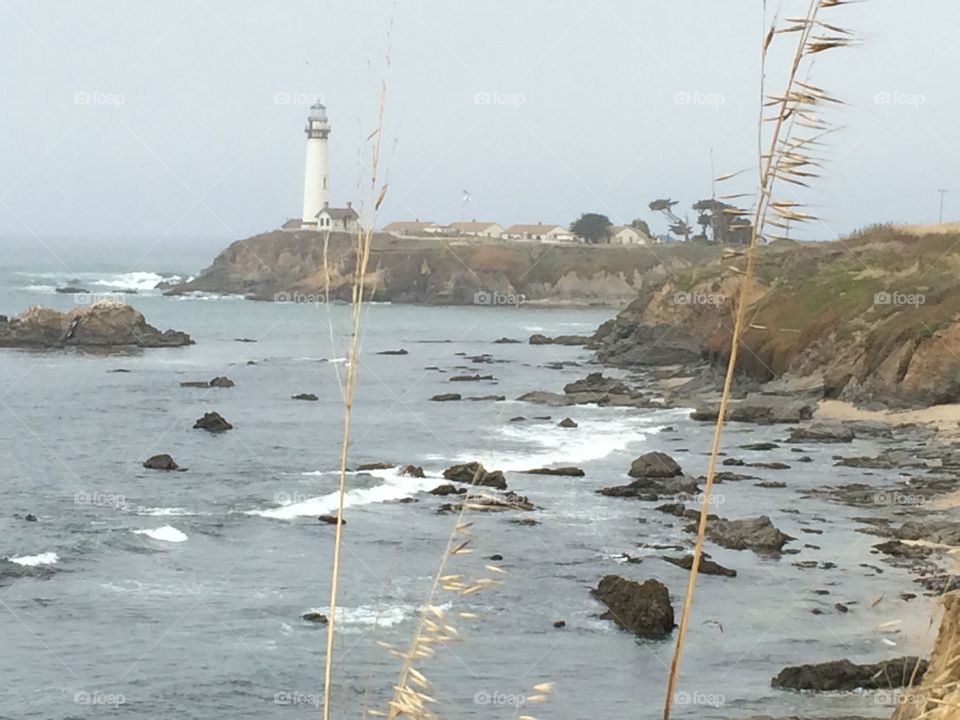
(364, 241)
(787, 158)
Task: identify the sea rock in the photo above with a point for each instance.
(473, 473)
(642, 608)
(446, 397)
(760, 409)
(375, 466)
(538, 339)
(222, 382)
(567, 471)
(540, 397)
(305, 396)
(447, 489)
(757, 534)
(330, 520)
(315, 617)
(401, 351)
(30, 517)
(707, 566)
(494, 398)
(103, 324)
(160, 462)
(846, 675)
(506, 341)
(470, 378)
(654, 465)
(414, 471)
(567, 423)
(72, 290)
(212, 422)
(821, 432)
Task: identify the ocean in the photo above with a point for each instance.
(148, 594)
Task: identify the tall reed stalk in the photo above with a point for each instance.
(788, 157)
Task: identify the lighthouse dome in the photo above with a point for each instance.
(318, 112)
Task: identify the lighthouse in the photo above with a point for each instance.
(316, 181)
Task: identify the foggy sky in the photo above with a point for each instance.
(148, 123)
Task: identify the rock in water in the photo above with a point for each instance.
(212, 422)
(414, 471)
(376, 466)
(160, 462)
(642, 608)
(845, 675)
(567, 423)
(305, 396)
(821, 432)
(655, 465)
(757, 534)
(222, 382)
(103, 324)
(330, 520)
(707, 567)
(567, 470)
(315, 617)
(473, 473)
(446, 397)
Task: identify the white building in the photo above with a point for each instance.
(627, 235)
(478, 229)
(405, 228)
(539, 232)
(316, 180)
(338, 219)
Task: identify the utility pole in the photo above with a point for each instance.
(942, 192)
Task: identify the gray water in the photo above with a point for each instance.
(144, 594)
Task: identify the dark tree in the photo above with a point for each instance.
(727, 223)
(592, 227)
(642, 226)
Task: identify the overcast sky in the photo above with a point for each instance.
(147, 122)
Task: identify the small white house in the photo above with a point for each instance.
(627, 235)
(478, 229)
(539, 232)
(338, 219)
(407, 228)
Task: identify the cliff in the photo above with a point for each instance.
(284, 266)
(874, 317)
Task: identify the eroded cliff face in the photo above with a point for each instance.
(875, 318)
(282, 265)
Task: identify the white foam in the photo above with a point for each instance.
(46, 289)
(394, 487)
(368, 615)
(135, 280)
(47, 558)
(165, 512)
(167, 533)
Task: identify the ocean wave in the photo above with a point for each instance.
(134, 280)
(394, 487)
(167, 533)
(166, 512)
(368, 615)
(47, 558)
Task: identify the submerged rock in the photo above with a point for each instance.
(566, 470)
(846, 675)
(315, 617)
(212, 422)
(103, 324)
(567, 423)
(707, 566)
(446, 397)
(330, 520)
(305, 396)
(414, 471)
(642, 608)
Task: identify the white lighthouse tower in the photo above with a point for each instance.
(316, 181)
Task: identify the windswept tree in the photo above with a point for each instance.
(678, 226)
(592, 227)
(726, 223)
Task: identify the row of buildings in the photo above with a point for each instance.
(538, 232)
